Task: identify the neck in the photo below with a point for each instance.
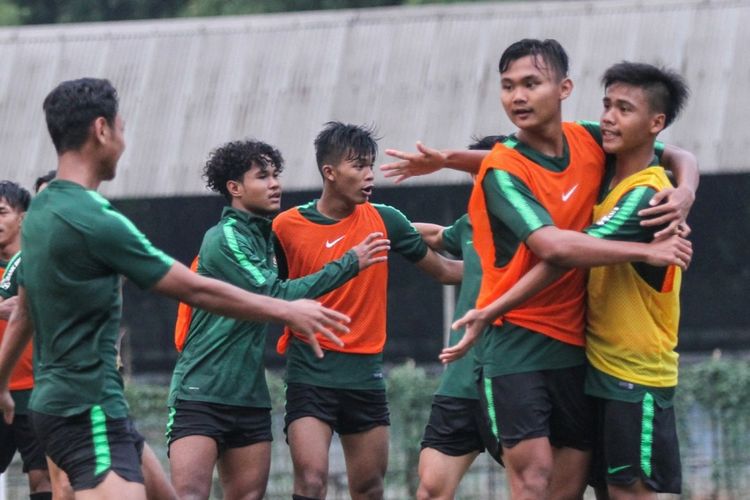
(629, 162)
(10, 250)
(547, 138)
(333, 206)
(76, 167)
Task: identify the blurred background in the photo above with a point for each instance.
(195, 74)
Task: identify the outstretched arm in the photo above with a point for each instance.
(432, 234)
(218, 297)
(446, 271)
(427, 160)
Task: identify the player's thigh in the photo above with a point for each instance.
(61, 488)
(155, 479)
(311, 414)
(309, 441)
(440, 474)
(244, 471)
(113, 487)
(192, 460)
(366, 455)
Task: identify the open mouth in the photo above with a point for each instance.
(522, 113)
(367, 191)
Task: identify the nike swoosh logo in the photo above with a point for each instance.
(330, 244)
(567, 195)
(615, 470)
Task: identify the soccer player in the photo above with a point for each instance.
(344, 392)
(18, 435)
(76, 247)
(454, 435)
(633, 309)
(219, 400)
(542, 180)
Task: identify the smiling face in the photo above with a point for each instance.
(531, 92)
(627, 121)
(10, 224)
(258, 191)
(352, 179)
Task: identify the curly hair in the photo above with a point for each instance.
(230, 162)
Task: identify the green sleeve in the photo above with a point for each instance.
(511, 202)
(405, 239)
(623, 222)
(452, 236)
(242, 264)
(9, 282)
(593, 128)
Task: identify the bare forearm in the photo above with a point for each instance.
(572, 249)
(432, 234)
(537, 279)
(684, 166)
(466, 160)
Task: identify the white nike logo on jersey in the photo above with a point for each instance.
(567, 195)
(330, 244)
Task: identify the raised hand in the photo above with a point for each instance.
(424, 161)
(367, 251)
(669, 206)
(308, 317)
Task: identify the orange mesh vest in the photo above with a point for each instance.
(309, 246)
(184, 314)
(569, 197)
(22, 377)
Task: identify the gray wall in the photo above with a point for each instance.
(424, 73)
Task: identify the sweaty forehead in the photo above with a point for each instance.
(529, 65)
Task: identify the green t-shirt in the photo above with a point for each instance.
(347, 370)
(222, 359)
(76, 248)
(9, 281)
(459, 380)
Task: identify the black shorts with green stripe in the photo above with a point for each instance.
(542, 403)
(636, 441)
(89, 445)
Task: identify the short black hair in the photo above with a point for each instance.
(73, 105)
(44, 179)
(667, 91)
(15, 196)
(549, 50)
(487, 142)
(230, 161)
(341, 141)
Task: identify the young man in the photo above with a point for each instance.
(219, 401)
(76, 247)
(345, 391)
(541, 181)
(633, 309)
(455, 432)
(18, 435)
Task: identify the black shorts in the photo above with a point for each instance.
(229, 426)
(347, 411)
(89, 445)
(457, 427)
(636, 441)
(545, 403)
(19, 436)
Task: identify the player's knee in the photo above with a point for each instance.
(192, 490)
(313, 482)
(535, 479)
(427, 491)
(39, 481)
(367, 488)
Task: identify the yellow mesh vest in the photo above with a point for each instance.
(631, 327)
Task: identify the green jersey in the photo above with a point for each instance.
(76, 248)
(222, 359)
(458, 379)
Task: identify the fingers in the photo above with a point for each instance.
(427, 151)
(660, 196)
(372, 237)
(314, 345)
(684, 230)
(672, 228)
(8, 414)
(401, 155)
(460, 323)
(334, 319)
(659, 220)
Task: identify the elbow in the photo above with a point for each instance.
(554, 253)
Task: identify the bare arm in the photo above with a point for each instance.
(446, 271)
(432, 234)
(303, 316)
(7, 306)
(477, 320)
(573, 249)
(672, 206)
(427, 160)
(17, 336)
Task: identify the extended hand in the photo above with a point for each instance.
(475, 324)
(673, 211)
(367, 251)
(306, 317)
(424, 161)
